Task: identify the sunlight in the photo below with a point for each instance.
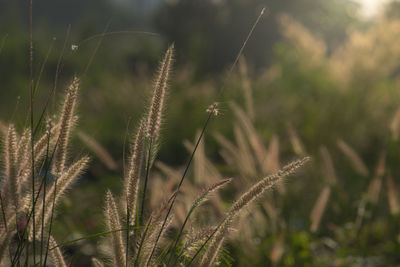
(369, 8)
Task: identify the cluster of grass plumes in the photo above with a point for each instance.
(138, 237)
(36, 176)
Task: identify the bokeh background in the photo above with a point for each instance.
(318, 78)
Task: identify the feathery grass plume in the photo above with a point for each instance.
(199, 159)
(97, 263)
(247, 198)
(392, 195)
(4, 242)
(297, 145)
(199, 200)
(278, 249)
(375, 185)
(319, 208)
(3, 128)
(329, 169)
(272, 164)
(56, 254)
(23, 148)
(193, 241)
(153, 237)
(66, 122)
(395, 125)
(303, 39)
(101, 153)
(62, 184)
(114, 223)
(10, 183)
(141, 241)
(353, 157)
(245, 152)
(40, 148)
(248, 128)
(145, 243)
(206, 192)
(157, 103)
(204, 170)
(132, 178)
(229, 153)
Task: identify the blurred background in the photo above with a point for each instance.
(318, 78)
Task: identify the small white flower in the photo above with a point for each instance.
(213, 109)
(74, 47)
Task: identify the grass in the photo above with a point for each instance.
(44, 164)
(350, 195)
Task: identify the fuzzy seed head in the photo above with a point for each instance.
(66, 122)
(157, 103)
